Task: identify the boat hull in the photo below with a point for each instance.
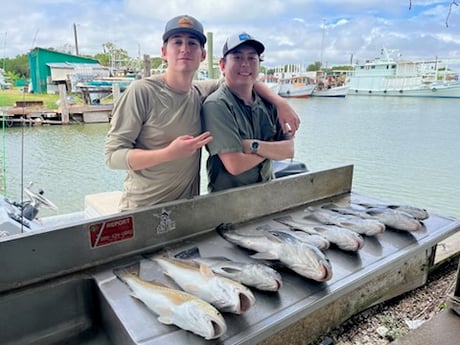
(389, 75)
(339, 91)
(290, 91)
(433, 91)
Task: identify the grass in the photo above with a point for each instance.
(9, 97)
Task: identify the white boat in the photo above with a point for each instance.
(296, 86)
(333, 91)
(271, 81)
(390, 76)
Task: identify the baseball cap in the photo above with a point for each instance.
(236, 40)
(184, 23)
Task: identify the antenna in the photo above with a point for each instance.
(35, 38)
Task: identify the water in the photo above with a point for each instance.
(404, 150)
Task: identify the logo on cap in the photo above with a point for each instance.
(244, 37)
(185, 22)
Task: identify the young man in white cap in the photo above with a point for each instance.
(246, 129)
(156, 133)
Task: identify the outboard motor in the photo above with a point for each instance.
(288, 167)
(29, 211)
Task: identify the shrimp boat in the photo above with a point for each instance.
(390, 75)
(333, 91)
(296, 85)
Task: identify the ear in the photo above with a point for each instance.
(163, 52)
(222, 64)
(203, 55)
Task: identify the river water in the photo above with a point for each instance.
(404, 150)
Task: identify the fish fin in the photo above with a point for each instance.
(283, 219)
(206, 271)
(223, 228)
(192, 289)
(265, 256)
(329, 206)
(191, 253)
(263, 227)
(231, 270)
(133, 295)
(165, 319)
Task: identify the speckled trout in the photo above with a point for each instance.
(199, 280)
(176, 307)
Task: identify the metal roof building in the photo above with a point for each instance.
(40, 70)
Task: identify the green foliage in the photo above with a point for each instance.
(12, 76)
(156, 62)
(316, 66)
(17, 66)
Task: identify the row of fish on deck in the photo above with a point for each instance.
(210, 286)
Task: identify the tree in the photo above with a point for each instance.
(18, 66)
(315, 66)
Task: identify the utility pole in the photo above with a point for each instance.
(76, 39)
(322, 43)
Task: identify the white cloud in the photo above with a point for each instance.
(291, 29)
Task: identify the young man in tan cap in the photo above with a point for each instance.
(246, 128)
(156, 133)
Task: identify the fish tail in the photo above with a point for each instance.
(187, 254)
(123, 272)
(223, 228)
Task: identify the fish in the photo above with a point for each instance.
(392, 218)
(314, 239)
(302, 258)
(368, 227)
(176, 307)
(225, 294)
(343, 238)
(256, 275)
(317, 240)
(419, 213)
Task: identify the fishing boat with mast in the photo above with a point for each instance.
(330, 84)
(390, 75)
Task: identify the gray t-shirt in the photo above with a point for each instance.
(230, 120)
(150, 115)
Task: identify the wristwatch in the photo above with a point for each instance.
(255, 146)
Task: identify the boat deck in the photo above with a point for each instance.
(68, 265)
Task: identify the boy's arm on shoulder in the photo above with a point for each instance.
(288, 118)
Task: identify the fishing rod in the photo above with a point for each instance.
(3, 127)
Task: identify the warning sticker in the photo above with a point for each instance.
(114, 230)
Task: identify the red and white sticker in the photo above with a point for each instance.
(114, 230)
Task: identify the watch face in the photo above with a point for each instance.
(254, 146)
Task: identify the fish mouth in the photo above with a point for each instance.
(324, 273)
(245, 303)
(275, 285)
(278, 285)
(218, 330)
(417, 226)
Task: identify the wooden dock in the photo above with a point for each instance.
(34, 113)
(39, 115)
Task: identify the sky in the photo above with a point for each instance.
(334, 32)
